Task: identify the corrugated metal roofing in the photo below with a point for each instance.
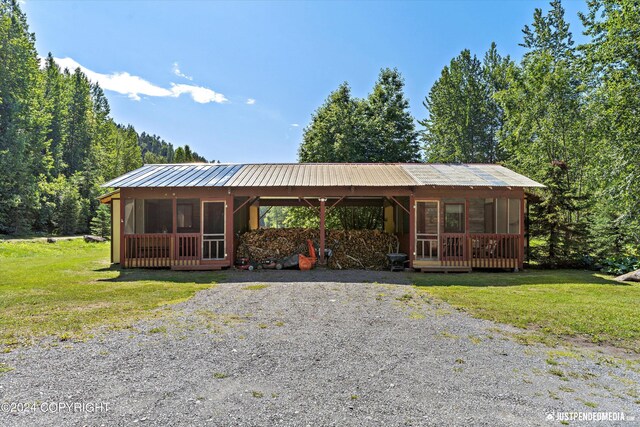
(320, 175)
(468, 175)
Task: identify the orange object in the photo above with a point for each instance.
(306, 263)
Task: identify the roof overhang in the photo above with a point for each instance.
(108, 197)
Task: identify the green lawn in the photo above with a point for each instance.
(68, 288)
(551, 304)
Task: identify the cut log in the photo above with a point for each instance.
(361, 249)
(633, 276)
(94, 239)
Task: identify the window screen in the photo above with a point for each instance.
(454, 218)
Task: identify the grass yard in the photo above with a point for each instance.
(68, 288)
(551, 304)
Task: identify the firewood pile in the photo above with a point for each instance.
(361, 249)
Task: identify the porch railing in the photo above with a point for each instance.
(188, 249)
(495, 250)
(148, 250)
(454, 249)
(162, 250)
(481, 250)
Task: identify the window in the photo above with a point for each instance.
(453, 218)
(148, 216)
(514, 216)
(188, 215)
(502, 213)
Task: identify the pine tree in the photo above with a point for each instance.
(464, 118)
(24, 149)
(391, 133)
(101, 222)
(80, 136)
(545, 126)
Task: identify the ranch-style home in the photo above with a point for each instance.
(447, 217)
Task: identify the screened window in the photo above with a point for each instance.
(188, 215)
(502, 213)
(514, 216)
(453, 218)
(148, 216)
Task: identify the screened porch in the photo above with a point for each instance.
(469, 233)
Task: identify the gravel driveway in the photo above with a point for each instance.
(340, 348)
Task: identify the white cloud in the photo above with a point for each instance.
(135, 86)
(251, 101)
(177, 72)
(294, 125)
(199, 94)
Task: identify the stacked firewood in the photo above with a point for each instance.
(360, 249)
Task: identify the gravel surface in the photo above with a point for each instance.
(339, 348)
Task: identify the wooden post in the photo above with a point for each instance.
(412, 230)
(466, 249)
(322, 212)
(229, 234)
(123, 261)
(174, 231)
(521, 243)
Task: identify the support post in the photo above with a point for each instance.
(229, 234)
(322, 212)
(466, 255)
(174, 230)
(412, 230)
(123, 261)
(524, 230)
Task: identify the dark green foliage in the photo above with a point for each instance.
(464, 117)
(101, 222)
(57, 140)
(620, 265)
(378, 128)
(69, 210)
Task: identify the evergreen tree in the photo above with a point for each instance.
(180, 156)
(24, 149)
(79, 141)
(464, 118)
(68, 214)
(101, 222)
(390, 129)
(611, 58)
(56, 95)
(545, 132)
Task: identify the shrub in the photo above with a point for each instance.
(620, 265)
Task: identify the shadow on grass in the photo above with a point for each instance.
(263, 276)
(162, 275)
(475, 279)
(523, 278)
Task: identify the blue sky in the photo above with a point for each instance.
(238, 81)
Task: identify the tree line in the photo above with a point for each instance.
(58, 142)
(565, 115)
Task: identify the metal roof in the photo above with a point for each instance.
(468, 175)
(321, 175)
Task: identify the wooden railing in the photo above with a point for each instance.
(162, 250)
(495, 250)
(148, 250)
(481, 250)
(188, 249)
(454, 249)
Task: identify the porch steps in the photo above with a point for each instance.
(444, 269)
